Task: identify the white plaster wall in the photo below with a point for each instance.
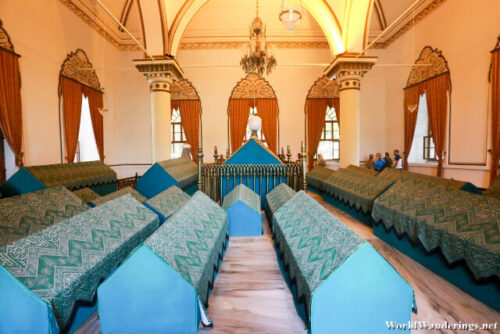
(465, 31)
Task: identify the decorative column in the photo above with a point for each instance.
(348, 70)
(161, 73)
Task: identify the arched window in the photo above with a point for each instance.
(329, 144)
(178, 135)
(11, 129)
(253, 95)
(82, 128)
(322, 120)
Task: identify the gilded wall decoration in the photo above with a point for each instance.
(5, 39)
(434, 65)
(183, 90)
(241, 44)
(253, 87)
(324, 88)
(78, 67)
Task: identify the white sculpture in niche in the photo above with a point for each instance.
(255, 124)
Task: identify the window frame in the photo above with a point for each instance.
(324, 131)
(429, 153)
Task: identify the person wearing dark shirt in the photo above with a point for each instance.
(398, 161)
(388, 160)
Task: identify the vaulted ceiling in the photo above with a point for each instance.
(164, 26)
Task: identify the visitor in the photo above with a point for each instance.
(379, 163)
(321, 162)
(370, 161)
(398, 161)
(388, 160)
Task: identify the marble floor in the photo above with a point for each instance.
(250, 295)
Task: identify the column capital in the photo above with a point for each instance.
(160, 72)
(348, 69)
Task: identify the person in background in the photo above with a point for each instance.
(388, 160)
(379, 162)
(221, 159)
(398, 161)
(369, 162)
(321, 162)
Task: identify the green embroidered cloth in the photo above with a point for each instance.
(117, 194)
(74, 175)
(355, 189)
(494, 189)
(30, 213)
(277, 197)
(169, 201)
(65, 262)
(86, 194)
(313, 242)
(184, 171)
(244, 194)
(361, 170)
(462, 225)
(392, 174)
(317, 176)
(192, 240)
(395, 174)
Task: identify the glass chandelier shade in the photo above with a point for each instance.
(290, 15)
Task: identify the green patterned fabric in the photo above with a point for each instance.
(312, 241)
(86, 194)
(355, 190)
(192, 241)
(244, 194)
(65, 262)
(119, 193)
(317, 176)
(30, 213)
(494, 189)
(277, 197)
(395, 174)
(361, 170)
(392, 174)
(462, 225)
(184, 171)
(74, 175)
(169, 201)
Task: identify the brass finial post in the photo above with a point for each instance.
(216, 155)
(304, 165)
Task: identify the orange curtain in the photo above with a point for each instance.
(412, 98)
(11, 118)
(495, 106)
(437, 103)
(238, 119)
(95, 103)
(267, 109)
(190, 120)
(315, 114)
(335, 103)
(72, 110)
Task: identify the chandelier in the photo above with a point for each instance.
(258, 59)
(291, 15)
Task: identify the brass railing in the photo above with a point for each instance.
(220, 179)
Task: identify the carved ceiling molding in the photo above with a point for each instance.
(240, 44)
(438, 65)
(77, 66)
(324, 88)
(5, 41)
(94, 25)
(183, 90)
(253, 87)
(419, 17)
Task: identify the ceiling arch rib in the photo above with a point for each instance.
(356, 25)
(318, 9)
(154, 21)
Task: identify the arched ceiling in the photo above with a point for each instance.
(162, 26)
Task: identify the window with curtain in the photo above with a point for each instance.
(248, 133)
(86, 149)
(329, 144)
(7, 160)
(177, 134)
(422, 148)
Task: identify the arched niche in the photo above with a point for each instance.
(183, 90)
(78, 67)
(256, 90)
(324, 88)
